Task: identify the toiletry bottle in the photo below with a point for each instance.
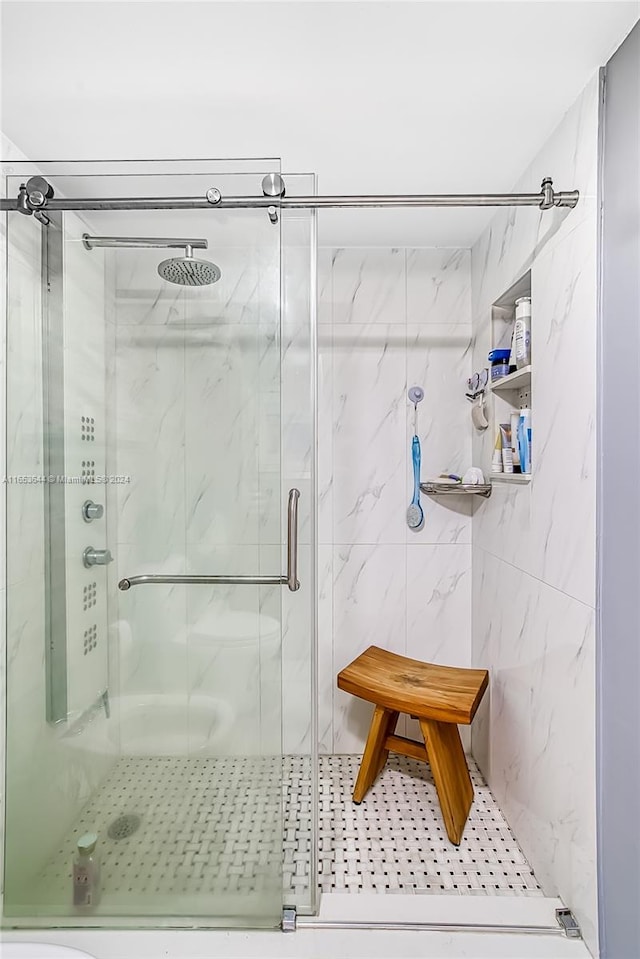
(522, 331)
(507, 455)
(513, 366)
(499, 360)
(86, 873)
(496, 462)
(524, 440)
(515, 449)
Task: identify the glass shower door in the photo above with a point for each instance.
(145, 693)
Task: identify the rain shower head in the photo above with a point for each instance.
(184, 270)
(187, 271)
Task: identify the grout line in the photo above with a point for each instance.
(525, 572)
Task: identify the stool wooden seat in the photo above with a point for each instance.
(439, 697)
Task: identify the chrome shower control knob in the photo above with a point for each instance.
(91, 511)
(96, 557)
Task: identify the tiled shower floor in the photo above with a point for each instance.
(395, 841)
(207, 828)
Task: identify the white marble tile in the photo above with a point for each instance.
(369, 445)
(269, 354)
(295, 412)
(325, 434)
(534, 547)
(141, 297)
(369, 609)
(564, 415)
(507, 599)
(438, 286)
(272, 506)
(537, 750)
(222, 460)
(504, 524)
(326, 677)
(516, 236)
(484, 586)
(222, 642)
(439, 361)
(150, 429)
(249, 282)
(561, 809)
(325, 286)
(151, 622)
(439, 604)
(438, 598)
(368, 286)
(297, 381)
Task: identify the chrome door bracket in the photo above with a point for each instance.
(567, 921)
(289, 919)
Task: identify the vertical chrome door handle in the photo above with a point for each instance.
(292, 540)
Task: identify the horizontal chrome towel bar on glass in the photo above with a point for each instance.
(290, 579)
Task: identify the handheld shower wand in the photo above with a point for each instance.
(415, 514)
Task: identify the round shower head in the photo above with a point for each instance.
(186, 271)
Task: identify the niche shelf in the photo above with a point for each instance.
(512, 392)
(518, 479)
(519, 380)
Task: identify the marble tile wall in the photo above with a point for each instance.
(389, 319)
(534, 593)
(214, 425)
(194, 438)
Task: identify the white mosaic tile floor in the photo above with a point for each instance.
(395, 841)
(213, 827)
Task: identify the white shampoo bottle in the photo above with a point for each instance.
(86, 873)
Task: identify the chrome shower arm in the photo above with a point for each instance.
(143, 242)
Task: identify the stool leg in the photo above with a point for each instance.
(370, 765)
(392, 720)
(450, 774)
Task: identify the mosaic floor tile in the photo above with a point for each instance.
(219, 826)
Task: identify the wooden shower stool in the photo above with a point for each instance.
(439, 697)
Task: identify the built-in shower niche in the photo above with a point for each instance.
(512, 392)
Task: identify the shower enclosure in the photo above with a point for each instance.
(161, 524)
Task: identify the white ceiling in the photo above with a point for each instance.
(372, 96)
